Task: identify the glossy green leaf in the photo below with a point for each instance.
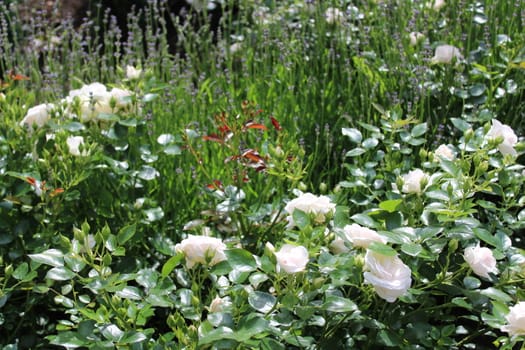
(353, 134)
(69, 340)
(112, 332)
(53, 257)
(460, 124)
(21, 271)
(129, 292)
(412, 249)
(171, 264)
(419, 130)
(354, 152)
(261, 301)
(60, 273)
(382, 249)
(300, 218)
(126, 233)
(390, 205)
(335, 303)
(497, 294)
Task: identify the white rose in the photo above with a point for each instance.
(219, 304)
(73, 143)
(415, 181)
(446, 53)
(388, 274)
(361, 236)
(133, 73)
(202, 249)
(319, 206)
(338, 246)
(438, 4)
(443, 151)
(415, 38)
(333, 15)
(505, 132)
(481, 260)
(93, 98)
(121, 97)
(37, 115)
(515, 320)
(291, 259)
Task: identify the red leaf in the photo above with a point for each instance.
(215, 185)
(251, 125)
(14, 76)
(253, 156)
(275, 124)
(212, 137)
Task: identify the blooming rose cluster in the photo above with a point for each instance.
(86, 104)
(202, 250)
(319, 206)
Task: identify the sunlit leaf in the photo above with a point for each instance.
(261, 301)
(53, 257)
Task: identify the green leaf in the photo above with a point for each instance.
(74, 262)
(251, 326)
(389, 338)
(355, 152)
(149, 97)
(262, 302)
(486, 236)
(112, 332)
(471, 282)
(449, 167)
(335, 303)
(419, 130)
(382, 249)
(354, 134)
(60, 273)
(215, 335)
(68, 340)
(412, 249)
(496, 294)
(364, 220)
(132, 337)
(462, 302)
(460, 124)
(126, 233)
(241, 260)
(147, 173)
(390, 205)
(300, 218)
(172, 150)
(129, 292)
(21, 271)
(370, 143)
(53, 257)
(171, 264)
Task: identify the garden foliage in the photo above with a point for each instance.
(314, 175)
